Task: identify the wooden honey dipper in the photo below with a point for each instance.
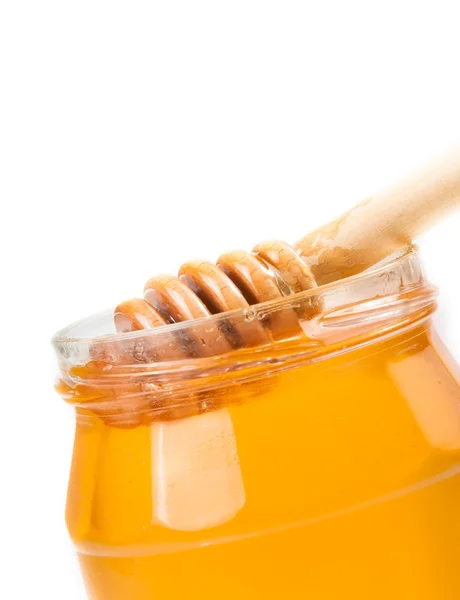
(357, 240)
(198, 482)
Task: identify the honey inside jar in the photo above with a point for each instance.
(323, 464)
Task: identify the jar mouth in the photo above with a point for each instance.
(199, 365)
(100, 328)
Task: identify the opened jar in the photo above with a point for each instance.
(322, 462)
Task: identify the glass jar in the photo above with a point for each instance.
(319, 458)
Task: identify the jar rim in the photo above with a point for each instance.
(175, 366)
(79, 332)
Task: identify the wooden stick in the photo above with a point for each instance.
(384, 223)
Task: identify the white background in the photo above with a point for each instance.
(136, 135)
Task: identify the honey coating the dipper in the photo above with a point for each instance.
(240, 279)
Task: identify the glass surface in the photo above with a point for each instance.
(321, 464)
